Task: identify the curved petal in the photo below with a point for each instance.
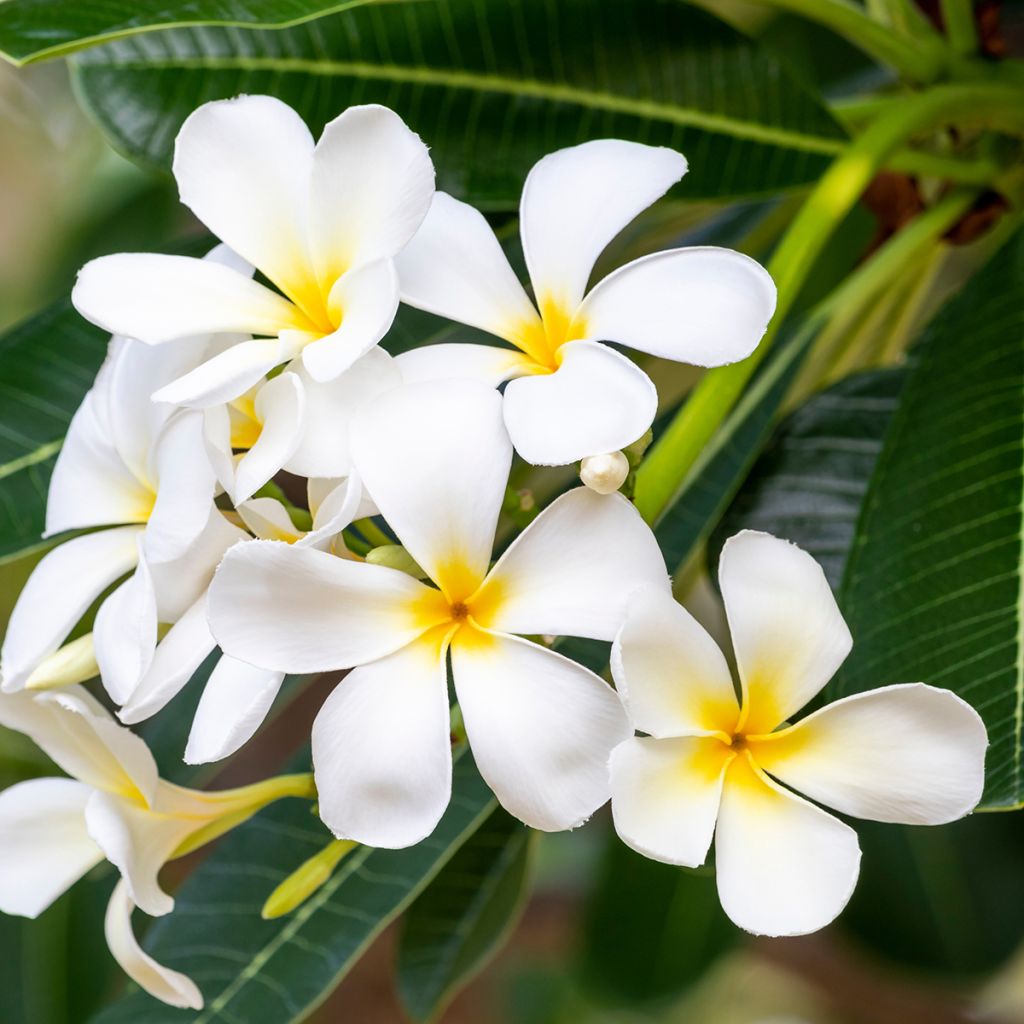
(784, 866)
(78, 734)
(243, 167)
(295, 609)
(572, 569)
(672, 676)
(179, 654)
(235, 701)
(460, 361)
(371, 187)
(337, 509)
(540, 726)
(58, 593)
(575, 201)
(665, 796)
(281, 408)
(44, 845)
(366, 301)
(226, 376)
(323, 449)
(455, 267)
(910, 754)
(91, 484)
(158, 298)
(435, 459)
(160, 982)
(787, 631)
(704, 305)
(597, 401)
(268, 519)
(382, 751)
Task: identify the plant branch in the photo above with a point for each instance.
(958, 21)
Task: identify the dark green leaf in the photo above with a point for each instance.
(464, 915)
(277, 971)
(492, 87)
(933, 589)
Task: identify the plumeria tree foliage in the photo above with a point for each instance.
(557, 399)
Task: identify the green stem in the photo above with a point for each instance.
(948, 168)
(916, 60)
(373, 533)
(961, 30)
(662, 474)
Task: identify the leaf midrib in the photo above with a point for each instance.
(484, 82)
(40, 454)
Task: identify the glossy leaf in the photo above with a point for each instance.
(933, 589)
(464, 915)
(491, 88)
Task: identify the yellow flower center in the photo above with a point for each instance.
(544, 340)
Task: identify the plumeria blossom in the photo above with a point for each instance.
(435, 458)
(139, 471)
(238, 696)
(113, 806)
(322, 221)
(715, 766)
(292, 422)
(571, 396)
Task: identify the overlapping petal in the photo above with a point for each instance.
(456, 360)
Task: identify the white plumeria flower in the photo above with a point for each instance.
(574, 397)
(293, 422)
(435, 459)
(321, 221)
(54, 830)
(141, 470)
(713, 765)
(237, 696)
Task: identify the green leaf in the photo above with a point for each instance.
(254, 970)
(933, 589)
(492, 88)
(46, 366)
(651, 929)
(32, 30)
(464, 915)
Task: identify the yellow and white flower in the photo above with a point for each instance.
(321, 221)
(434, 458)
(715, 766)
(569, 396)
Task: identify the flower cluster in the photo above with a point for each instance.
(217, 382)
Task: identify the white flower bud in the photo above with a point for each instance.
(604, 473)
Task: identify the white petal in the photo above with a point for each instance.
(160, 982)
(44, 846)
(540, 726)
(596, 401)
(91, 484)
(455, 267)
(787, 631)
(337, 510)
(281, 408)
(158, 298)
(58, 593)
(435, 459)
(268, 519)
(177, 657)
(382, 751)
(295, 609)
(572, 569)
(460, 361)
(226, 376)
(77, 733)
(704, 305)
(125, 634)
(366, 300)
(243, 167)
(671, 674)
(575, 201)
(911, 754)
(784, 866)
(665, 796)
(185, 487)
(372, 183)
(323, 449)
(234, 703)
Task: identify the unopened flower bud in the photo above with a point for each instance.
(604, 473)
